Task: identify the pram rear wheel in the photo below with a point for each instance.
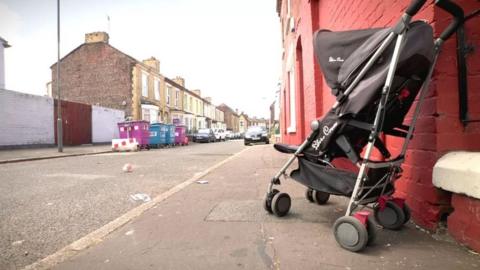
(281, 203)
(308, 194)
(350, 233)
(267, 201)
(391, 217)
(320, 197)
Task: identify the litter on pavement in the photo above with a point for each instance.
(127, 167)
(140, 197)
(202, 182)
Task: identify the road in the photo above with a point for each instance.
(47, 204)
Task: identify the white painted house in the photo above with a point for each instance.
(3, 44)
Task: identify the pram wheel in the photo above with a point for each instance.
(281, 203)
(308, 194)
(320, 197)
(267, 201)
(391, 217)
(350, 233)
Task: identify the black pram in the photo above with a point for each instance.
(375, 81)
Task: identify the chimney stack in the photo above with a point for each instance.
(97, 37)
(153, 63)
(179, 80)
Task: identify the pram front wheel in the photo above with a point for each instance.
(390, 217)
(320, 197)
(267, 201)
(308, 194)
(281, 203)
(350, 233)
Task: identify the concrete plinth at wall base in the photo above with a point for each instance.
(459, 173)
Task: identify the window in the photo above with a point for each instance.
(156, 90)
(191, 104)
(146, 115)
(293, 122)
(185, 98)
(177, 97)
(144, 84)
(167, 93)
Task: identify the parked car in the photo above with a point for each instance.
(204, 135)
(256, 134)
(229, 135)
(220, 134)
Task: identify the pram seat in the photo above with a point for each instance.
(337, 181)
(285, 148)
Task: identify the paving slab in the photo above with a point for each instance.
(222, 225)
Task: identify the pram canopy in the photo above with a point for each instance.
(342, 54)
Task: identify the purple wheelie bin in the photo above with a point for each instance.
(138, 130)
(180, 135)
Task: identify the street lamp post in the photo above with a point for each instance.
(59, 107)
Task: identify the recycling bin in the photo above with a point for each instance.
(158, 135)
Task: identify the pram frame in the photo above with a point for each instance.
(398, 32)
(355, 231)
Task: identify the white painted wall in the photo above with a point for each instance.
(104, 124)
(25, 119)
(2, 66)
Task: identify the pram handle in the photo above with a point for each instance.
(458, 17)
(414, 7)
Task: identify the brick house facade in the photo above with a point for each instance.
(231, 117)
(96, 73)
(305, 96)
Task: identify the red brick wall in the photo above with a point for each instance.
(438, 129)
(94, 74)
(464, 222)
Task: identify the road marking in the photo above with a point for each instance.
(98, 235)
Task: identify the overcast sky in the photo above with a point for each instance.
(230, 49)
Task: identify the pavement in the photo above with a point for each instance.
(47, 204)
(30, 154)
(221, 224)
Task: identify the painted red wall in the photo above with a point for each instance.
(438, 128)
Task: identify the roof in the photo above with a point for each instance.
(225, 108)
(96, 44)
(173, 83)
(4, 43)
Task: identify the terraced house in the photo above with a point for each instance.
(97, 73)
